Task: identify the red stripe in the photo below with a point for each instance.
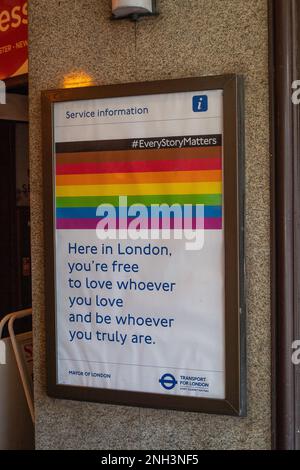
(140, 166)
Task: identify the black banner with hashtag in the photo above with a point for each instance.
(152, 143)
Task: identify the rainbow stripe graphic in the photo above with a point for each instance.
(92, 173)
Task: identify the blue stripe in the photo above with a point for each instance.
(90, 212)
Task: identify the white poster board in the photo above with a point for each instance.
(139, 245)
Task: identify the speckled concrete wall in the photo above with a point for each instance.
(189, 38)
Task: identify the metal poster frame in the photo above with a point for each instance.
(233, 197)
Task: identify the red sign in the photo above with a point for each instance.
(13, 38)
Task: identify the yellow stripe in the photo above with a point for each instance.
(139, 189)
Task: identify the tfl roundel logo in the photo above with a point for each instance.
(168, 381)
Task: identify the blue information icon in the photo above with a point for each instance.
(168, 381)
(200, 103)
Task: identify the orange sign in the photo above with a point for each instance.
(13, 38)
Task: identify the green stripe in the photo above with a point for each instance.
(91, 201)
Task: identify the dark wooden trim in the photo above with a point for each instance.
(16, 82)
(235, 399)
(9, 299)
(285, 68)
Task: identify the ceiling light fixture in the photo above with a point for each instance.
(133, 9)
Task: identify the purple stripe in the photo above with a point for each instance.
(210, 223)
(213, 223)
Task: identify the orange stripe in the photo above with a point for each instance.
(132, 178)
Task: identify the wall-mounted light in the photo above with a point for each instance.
(133, 9)
(77, 79)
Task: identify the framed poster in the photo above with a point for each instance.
(144, 244)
